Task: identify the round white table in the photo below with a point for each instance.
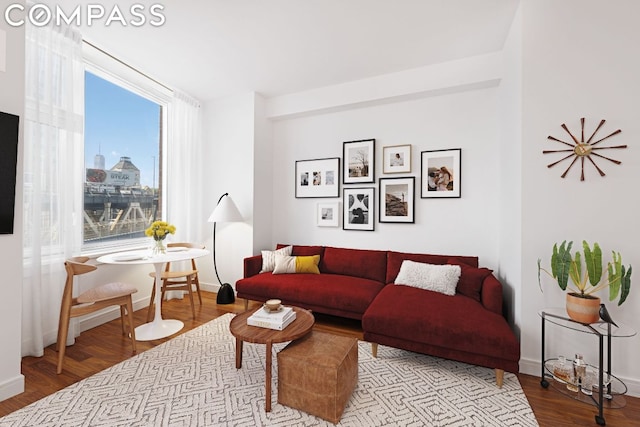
(159, 327)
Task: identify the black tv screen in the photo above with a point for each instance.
(8, 159)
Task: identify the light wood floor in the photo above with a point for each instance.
(104, 346)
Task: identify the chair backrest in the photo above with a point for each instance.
(74, 267)
(185, 245)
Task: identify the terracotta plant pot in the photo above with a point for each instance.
(583, 309)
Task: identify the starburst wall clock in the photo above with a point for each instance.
(584, 150)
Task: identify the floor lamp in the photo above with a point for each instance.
(225, 211)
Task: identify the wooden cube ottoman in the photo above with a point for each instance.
(318, 373)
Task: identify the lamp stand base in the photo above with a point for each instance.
(225, 294)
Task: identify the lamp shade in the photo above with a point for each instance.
(225, 211)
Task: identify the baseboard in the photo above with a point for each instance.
(532, 367)
(12, 387)
(97, 319)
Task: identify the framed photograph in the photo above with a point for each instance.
(358, 209)
(440, 173)
(358, 158)
(397, 201)
(328, 214)
(396, 159)
(318, 178)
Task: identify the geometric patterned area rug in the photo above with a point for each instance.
(191, 380)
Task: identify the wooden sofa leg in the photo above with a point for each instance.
(246, 304)
(374, 349)
(499, 377)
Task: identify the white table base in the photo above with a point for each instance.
(159, 328)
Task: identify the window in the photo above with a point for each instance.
(123, 145)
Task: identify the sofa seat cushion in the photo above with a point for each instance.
(341, 293)
(455, 322)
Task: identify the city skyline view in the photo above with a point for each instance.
(120, 123)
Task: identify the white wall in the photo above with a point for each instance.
(579, 61)
(465, 120)
(12, 101)
(230, 134)
(510, 240)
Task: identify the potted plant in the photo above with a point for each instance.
(582, 305)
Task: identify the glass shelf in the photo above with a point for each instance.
(613, 400)
(559, 317)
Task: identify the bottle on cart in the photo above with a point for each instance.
(579, 369)
(562, 370)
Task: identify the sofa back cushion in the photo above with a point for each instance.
(299, 250)
(394, 261)
(365, 263)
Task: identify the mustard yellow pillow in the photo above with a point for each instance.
(308, 264)
(296, 264)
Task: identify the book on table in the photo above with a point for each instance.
(277, 320)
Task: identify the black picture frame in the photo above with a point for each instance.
(359, 161)
(441, 173)
(318, 178)
(359, 208)
(397, 200)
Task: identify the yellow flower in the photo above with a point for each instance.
(159, 230)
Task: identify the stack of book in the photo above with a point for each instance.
(277, 320)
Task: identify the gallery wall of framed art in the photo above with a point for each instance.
(439, 177)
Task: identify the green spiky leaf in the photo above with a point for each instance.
(561, 263)
(593, 261)
(575, 271)
(626, 285)
(615, 270)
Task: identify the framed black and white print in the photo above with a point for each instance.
(396, 159)
(318, 178)
(397, 201)
(440, 173)
(328, 214)
(358, 209)
(358, 158)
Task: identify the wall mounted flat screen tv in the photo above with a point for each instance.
(8, 159)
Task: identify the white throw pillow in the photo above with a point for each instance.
(269, 258)
(432, 277)
(285, 264)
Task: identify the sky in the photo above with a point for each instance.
(121, 123)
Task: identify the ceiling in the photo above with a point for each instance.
(214, 48)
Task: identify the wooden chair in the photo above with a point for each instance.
(90, 301)
(182, 280)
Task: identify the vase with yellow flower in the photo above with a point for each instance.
(159, 230)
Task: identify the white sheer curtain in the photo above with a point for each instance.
(53, 159)
(184, 177)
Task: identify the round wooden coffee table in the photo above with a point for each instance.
(253, 334)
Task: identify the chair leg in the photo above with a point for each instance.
(197, 282)
(122, 320)
(63, 331)
(190, 292)
(151, 302)
(132, 329)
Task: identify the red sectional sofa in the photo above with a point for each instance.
(359, 284)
